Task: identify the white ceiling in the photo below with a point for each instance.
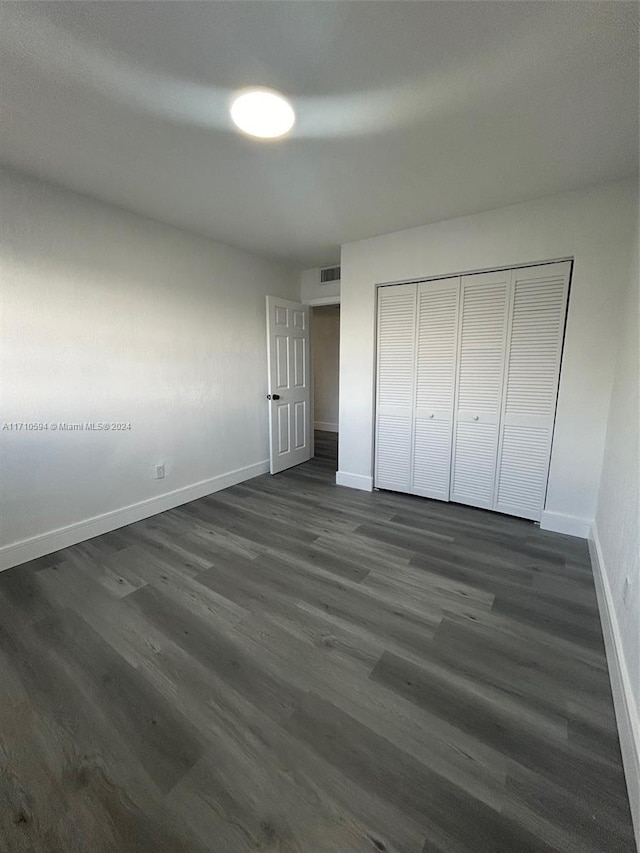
(408, 112)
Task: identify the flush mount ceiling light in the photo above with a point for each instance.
(262, 112)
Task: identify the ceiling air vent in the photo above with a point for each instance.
(329, 274)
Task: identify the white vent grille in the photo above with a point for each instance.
(329, 274)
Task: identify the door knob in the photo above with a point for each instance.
(431, 415)
(273, 396)
(476, 417)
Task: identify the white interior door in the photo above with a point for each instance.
(481, 352)
(534, 349)
(436, 354)
(395, 388)
(289, 383)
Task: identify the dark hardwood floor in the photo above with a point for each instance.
(293, 666)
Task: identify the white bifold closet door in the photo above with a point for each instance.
(533, 352)
(483, 324)
(467, 381)
(395, 388)
(436, 353)
(417, 350)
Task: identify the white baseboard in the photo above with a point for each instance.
(327, 426)
(627, 713)
(572, 525)
(63, 537)
(354, 481)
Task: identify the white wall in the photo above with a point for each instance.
(111, 317)
(594, 226)
(325, 341)
(313, 292)
(617, 532)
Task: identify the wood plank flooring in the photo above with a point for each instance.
(293, 666)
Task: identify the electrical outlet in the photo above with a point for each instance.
(159, 472)
(626, 590)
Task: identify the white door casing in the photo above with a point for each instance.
(289, 383)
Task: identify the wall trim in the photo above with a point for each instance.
(327, 426)
(627, 715)
(72, 534)
(572, 525)
(322, 300)
(354, 481)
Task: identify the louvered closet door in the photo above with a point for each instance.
(436, 352)
(534, 348)
(395, 386)
(483, 320)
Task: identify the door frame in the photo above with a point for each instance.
(315, 303)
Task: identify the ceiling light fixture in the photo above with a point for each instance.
(262, 112)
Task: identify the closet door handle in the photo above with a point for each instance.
(476, 417)
(431, 415)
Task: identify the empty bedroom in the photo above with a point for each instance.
(319, 426)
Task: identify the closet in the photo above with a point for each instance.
(467, 381)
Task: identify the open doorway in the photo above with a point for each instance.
(325, 346)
